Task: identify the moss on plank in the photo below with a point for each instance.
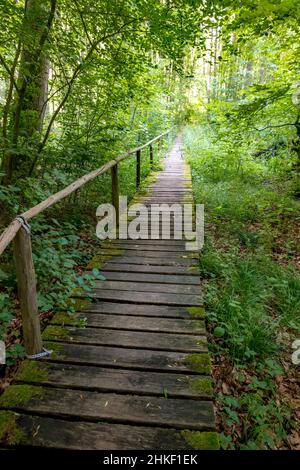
(203, 343)
(202, 440)
(196, 311)
(18, 395)
(32, 371)
(199, 362)
(202, 385)
(95, 262)
(109, 252)
(198, 325)
(56, 350)
(78, 304)
(193, 269)
(191, 256)
(10, 432)
(55, 332)
(63, 318)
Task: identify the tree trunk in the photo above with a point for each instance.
(29, 104)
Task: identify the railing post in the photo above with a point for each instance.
(151, 155)
(27, 292)
(138, 169)
(115, 191)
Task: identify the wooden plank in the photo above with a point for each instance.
(137, 246)
(127, 339)
(129, 409)
(176, 256)
(147, 287)
(166, 243)
(158, 298)
(110, 356)
(150, 261)
(118, 380)
(132, 323)
(50, 433)
(145, 268)
(163, 311)
(145, 277)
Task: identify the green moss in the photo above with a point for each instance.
(202, 385)
(193, 269)
(80, 304)
(17, 395)
(199, 362)
(63, 318)
(196, 311)
(95, 263)
(10, 432)
(203, 343)
(55, 332)
(198, 325)
(110, 252)
(56, 348)
(202, 440)
(32, 371)
(191, 256)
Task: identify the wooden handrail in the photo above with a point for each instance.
(10, 232)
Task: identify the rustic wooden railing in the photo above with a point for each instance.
(19, 231)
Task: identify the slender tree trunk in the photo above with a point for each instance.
(29, 104)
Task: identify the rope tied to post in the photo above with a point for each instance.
(45, 352)
(23, 222)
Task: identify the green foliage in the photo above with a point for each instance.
(252, 288)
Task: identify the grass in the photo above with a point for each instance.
(252, 287)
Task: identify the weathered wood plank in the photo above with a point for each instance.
(129, 409)
(148, 261)
(117, 380)
(147, 287)
(146, 247)
(109, 356)
(145, 268)
(166, 243)
(134, 323)
(170, 255)
(52, 433)
(163, 311)
(127, 339)
(156, 278)
(158, 298)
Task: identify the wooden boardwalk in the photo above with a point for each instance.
(137, 374)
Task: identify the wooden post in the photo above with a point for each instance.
(27, 292)
(138, 169)
(115, 191)
(151, 155)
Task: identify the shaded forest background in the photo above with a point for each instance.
(82, 82)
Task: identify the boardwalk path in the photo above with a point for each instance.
(137, 375)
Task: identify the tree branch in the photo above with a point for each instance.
(10, 72)
(270, 126)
